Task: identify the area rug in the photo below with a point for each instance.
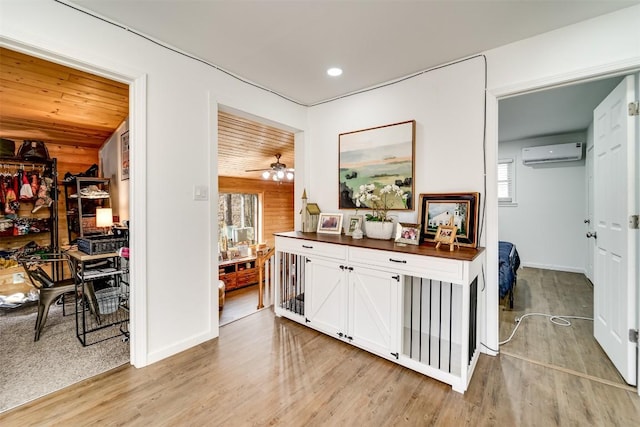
(29, 369)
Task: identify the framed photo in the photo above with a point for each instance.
(353, 222)
(408, 233)
(330, 223)
(380, 156)
(457, 209)
(124, 156)
(446, 234)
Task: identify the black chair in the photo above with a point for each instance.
(40, 268)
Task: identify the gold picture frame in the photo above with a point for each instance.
(408, 233)
(446, 234)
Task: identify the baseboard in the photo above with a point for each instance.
(554, 267)
(178, 347)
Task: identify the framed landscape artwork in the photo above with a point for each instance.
(456, 209)
(380, 156)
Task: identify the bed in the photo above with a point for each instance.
(508, 264)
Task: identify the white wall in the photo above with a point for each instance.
(110, 161)
(181, 97)
(447, 105)
(179, 128)
(546, 223)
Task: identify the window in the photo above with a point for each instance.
(506, 182)
(237, 219)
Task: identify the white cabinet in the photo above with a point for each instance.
(414, 305)
(355, 304)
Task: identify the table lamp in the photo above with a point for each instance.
(104, 219)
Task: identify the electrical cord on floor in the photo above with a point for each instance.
(553, 318)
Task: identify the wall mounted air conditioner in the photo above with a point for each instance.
(552, 153)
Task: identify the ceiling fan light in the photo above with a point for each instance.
(265, 174)
(275, 177)
(289, 176)
(280, 174)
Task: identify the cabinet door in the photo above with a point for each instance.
(373, 310)
(325, 296)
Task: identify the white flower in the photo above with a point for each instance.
(379, 202)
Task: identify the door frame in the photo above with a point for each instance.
(493, 95)
(137, 81)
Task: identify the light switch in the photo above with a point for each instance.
(200, 192)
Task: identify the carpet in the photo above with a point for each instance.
(29, 369)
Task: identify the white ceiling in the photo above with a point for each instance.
(286, 46)
(554, 111)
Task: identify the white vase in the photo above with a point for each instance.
(379, 230)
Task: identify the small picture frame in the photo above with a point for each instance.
(407, 233)
(446, 234)
(330, 223)
(353, 222)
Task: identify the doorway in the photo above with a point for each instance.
(70, 144)
(254, 202)
(554, 200)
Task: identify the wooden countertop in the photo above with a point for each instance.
(237, 260)
(427, 249)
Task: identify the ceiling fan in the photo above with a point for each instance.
(277, 171)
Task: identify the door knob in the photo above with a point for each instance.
(594, 234)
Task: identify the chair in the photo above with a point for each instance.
(49, 289)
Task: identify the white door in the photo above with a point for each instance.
(591, 244)
(373, 310)
(614, 198)
(325, 296)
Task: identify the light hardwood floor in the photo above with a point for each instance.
(572, 348)
(239, 303)
(265, 370)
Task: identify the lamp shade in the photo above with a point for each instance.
(104, 217)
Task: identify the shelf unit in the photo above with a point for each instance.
(45, 220)
(238, 273)
(81, 204)
(100, 314)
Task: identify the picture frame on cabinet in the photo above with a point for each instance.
(330, 223)
(353, 222)
(408, 233)
(458, 209)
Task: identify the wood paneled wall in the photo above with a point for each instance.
(277, 203)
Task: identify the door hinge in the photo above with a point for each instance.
(633, 335)
(634, 108)
(633, 222)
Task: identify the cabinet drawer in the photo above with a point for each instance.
(309, 247)
(414, 265)
(247, 277)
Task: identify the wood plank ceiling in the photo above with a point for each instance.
(57, 104)
(245, 144)
(63, 106)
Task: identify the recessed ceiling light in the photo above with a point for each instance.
(334, 72)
